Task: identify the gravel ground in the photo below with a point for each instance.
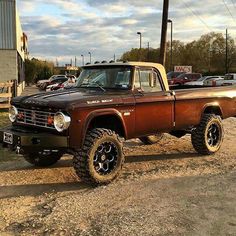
(164, 189)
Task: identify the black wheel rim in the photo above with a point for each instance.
(105, 158)
(213, 135)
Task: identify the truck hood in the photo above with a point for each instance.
(70, 99)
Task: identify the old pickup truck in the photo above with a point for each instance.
(113, 102)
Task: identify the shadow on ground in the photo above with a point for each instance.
(23, 165)
(38, 189)
(161, 157)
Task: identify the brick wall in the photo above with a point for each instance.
(8, 65)
(8, 68)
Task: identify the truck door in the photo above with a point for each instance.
(154, 106)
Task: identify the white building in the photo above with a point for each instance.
(13, 45)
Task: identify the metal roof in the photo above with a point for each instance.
(7, 24)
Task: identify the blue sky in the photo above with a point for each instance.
(63, 29)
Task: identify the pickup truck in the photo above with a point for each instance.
(113, 102)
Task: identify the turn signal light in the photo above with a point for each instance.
(50, 120)
(20, 116)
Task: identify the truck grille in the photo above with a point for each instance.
(35, 118)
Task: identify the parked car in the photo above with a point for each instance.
(173, 74)
(53, 87)
(88, 122)
(70, 83)
(54, 80)
(212, 82)
(40, 82)
(203, 80)
(184, 78)
(229, 79)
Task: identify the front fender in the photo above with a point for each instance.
(102, 112)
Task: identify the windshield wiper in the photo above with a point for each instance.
(88, 86)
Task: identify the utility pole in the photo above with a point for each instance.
(75, 61)
(171, 43)
(90, 57)
(82, 59)
(226, 53)
(148, 55)
(114, 57)
(140, 44)
(57, 63)
(162, 59)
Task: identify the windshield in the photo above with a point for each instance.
(202, 78)
(51, 78)
(181, 76)
(105, 77)
(172, 74)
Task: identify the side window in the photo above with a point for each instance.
(147, 80)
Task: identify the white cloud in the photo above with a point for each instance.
(74, 27)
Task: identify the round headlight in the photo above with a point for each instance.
(13, 112)
(61, 121)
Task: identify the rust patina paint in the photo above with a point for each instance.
(155, 112)
(140, 114)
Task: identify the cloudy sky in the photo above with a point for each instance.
(64, 29)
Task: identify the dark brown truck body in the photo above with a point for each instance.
(160, 112)
(131, 113)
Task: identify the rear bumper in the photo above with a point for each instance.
(26, 141)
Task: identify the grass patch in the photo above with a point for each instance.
(4, 120)
(5, 154)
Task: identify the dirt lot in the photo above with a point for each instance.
(164, 189)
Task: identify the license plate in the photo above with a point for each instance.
(8, 138)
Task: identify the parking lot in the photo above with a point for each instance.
(164, 189)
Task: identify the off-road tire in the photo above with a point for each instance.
(152, 139)
(201, 135)
(84, 159)
(40, 160)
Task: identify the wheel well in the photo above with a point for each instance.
(111, 122)
(213, 110)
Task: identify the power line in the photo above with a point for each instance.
(226, 6)
(196, 14)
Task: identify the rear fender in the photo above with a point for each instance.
(213, 108)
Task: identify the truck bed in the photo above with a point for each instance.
(190, 103)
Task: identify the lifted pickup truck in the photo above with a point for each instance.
(113, 101)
